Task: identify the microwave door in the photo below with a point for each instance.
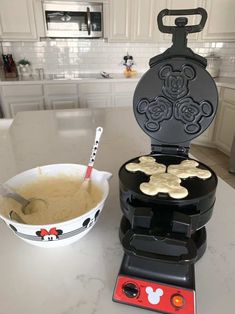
(67, 24)
(95, 23)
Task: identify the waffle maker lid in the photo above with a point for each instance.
(176, 99)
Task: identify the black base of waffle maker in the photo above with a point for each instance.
(161, 262)
(163, 237)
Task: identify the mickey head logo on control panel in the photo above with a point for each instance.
(90, 221)
(154, 296)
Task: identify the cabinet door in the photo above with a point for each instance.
(123, 100)
(225, 126)
(12, 106)
(144, 21)
(17, 20)
(206, 138)
(123, 93)
(62, 103)
(120, 19)
(221, 21)
(96, 101)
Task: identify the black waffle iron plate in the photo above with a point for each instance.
(174, 102)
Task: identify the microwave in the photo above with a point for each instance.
(64, 19)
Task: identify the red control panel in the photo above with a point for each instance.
(154, 296)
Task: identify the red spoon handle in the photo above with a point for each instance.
(98, 134)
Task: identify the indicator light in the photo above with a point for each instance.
(178, 301)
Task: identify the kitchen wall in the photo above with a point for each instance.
(75, 55)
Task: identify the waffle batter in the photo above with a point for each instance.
(65, 197)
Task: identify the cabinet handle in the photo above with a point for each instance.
(88, 21)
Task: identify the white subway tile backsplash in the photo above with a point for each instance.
(75, 55)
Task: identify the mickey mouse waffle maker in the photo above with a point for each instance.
(163, 236)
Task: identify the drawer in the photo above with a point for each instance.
(22, 90)
(229, 95)
(94, 88)
(60, 89)
(124, 87)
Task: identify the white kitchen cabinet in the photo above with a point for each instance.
(133, 20)
(61, 96)
(95, 94)
(120, 20)
(144, 21)
(207, 137)
(225, 126)
(22, 97)
(17, 20)
(22, 90)
(15, 105)
(102, 94)
(123, 93)
(221, 23)
(96, 101)
(123, 100)
(136, 20)
(62, 103)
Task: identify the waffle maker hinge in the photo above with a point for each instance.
(175, 150)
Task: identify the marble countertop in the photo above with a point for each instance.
(94, 77)
(56, 78)
(80, 278)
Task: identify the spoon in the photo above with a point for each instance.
(14, 216)
(7, 191)
(98, 133)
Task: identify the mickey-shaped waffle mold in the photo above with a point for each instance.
(188, 168)
(148, 165)
(164, 183)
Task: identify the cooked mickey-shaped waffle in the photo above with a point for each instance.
(147, 164)
(164, 183)
(188, 169)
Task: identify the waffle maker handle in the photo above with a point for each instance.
(182, 21)
(130, 236)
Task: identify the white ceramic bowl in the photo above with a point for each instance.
(64, 233)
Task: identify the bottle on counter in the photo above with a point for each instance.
(10, 70)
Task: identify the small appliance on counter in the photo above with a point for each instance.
(9, 67)
(213, 65)
(163, 234)
(128, 62)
